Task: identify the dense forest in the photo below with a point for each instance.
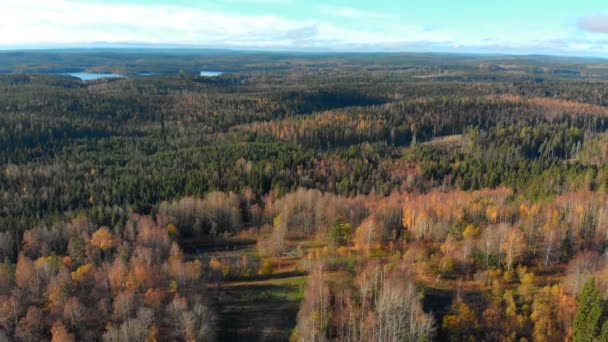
(389, 197)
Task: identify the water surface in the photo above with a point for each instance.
(88, 76)
(211, 73)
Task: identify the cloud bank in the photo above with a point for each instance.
(46, 22)
(60, 23)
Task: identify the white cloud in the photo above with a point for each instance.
(46, 22)
(594, 23)
(62, 21)
(70, 22)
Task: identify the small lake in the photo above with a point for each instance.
(88, 76)
(211, 73)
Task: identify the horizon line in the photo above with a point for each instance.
(185, 47)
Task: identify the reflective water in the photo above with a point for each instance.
(211, 73)
(88, 76)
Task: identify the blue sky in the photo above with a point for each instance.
(565, 27)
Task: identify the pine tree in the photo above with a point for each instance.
(340, 232)
(590, 322)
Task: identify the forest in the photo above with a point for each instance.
(312, 197)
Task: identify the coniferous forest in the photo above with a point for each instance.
(303, 197)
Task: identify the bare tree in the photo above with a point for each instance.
(314, 315)
(133, 329)
(74, 312)
(198, 323)
(31, 326)
(400, 314)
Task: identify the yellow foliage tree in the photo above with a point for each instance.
(103, 239)
(82, 272)
(552, 312)
(266, 267)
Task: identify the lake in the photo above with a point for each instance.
(211, 73)
(88, 76)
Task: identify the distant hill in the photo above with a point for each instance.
(173, 60)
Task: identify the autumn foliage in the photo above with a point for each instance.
(118, 286)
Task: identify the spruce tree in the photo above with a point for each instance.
(590, 323)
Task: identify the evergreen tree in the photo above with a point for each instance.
(590, 323)
(340, 232)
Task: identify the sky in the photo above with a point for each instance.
(560, 27)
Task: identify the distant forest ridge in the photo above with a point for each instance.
(135, 61)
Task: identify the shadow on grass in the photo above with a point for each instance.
(258, 277)
(256, 312)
